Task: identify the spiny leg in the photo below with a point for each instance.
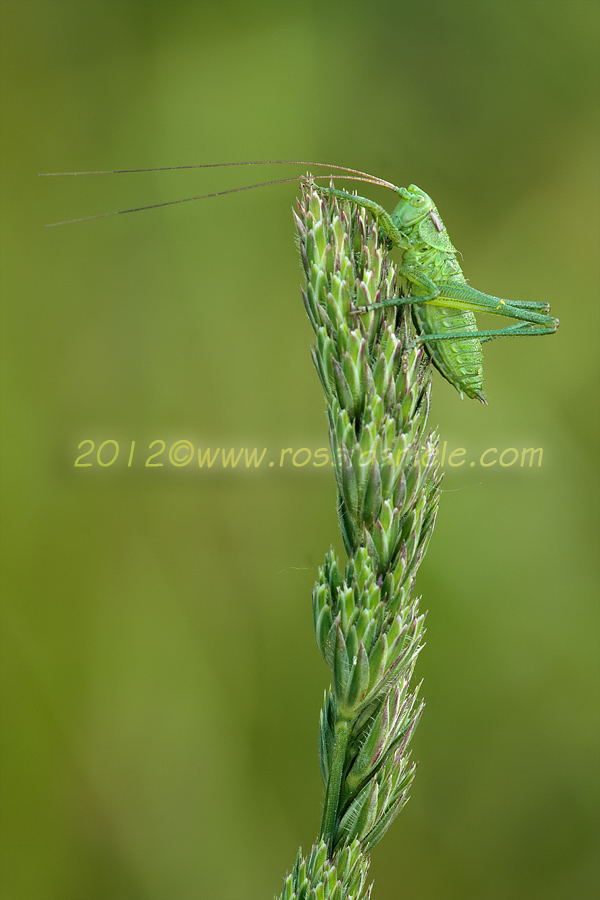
(531, 304)
(437, 300)
(382, 304)
(522, 328)
(461, 296)
(381, 215)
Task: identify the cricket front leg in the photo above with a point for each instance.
(381, 215)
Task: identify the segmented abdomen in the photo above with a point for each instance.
(460, 361)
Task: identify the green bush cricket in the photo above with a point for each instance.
(443, 305)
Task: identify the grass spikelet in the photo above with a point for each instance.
(367, 621)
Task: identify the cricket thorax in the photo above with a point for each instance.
(439, 265)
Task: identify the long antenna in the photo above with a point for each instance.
(247, 187)
(261, 162)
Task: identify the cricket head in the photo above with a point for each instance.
(414, 206)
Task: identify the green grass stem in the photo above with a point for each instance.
(367, 621)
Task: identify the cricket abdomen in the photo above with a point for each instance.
(459, 361)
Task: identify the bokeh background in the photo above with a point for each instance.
(161, 682)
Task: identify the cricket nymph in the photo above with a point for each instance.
(443, 304)
(432, 254)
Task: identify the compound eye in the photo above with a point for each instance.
(419, 200)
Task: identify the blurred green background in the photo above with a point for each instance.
(161, 683)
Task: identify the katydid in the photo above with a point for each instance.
(443, 305)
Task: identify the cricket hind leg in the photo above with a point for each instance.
(531, 304)
(463, 296)
(429, 298)
(523, 329)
